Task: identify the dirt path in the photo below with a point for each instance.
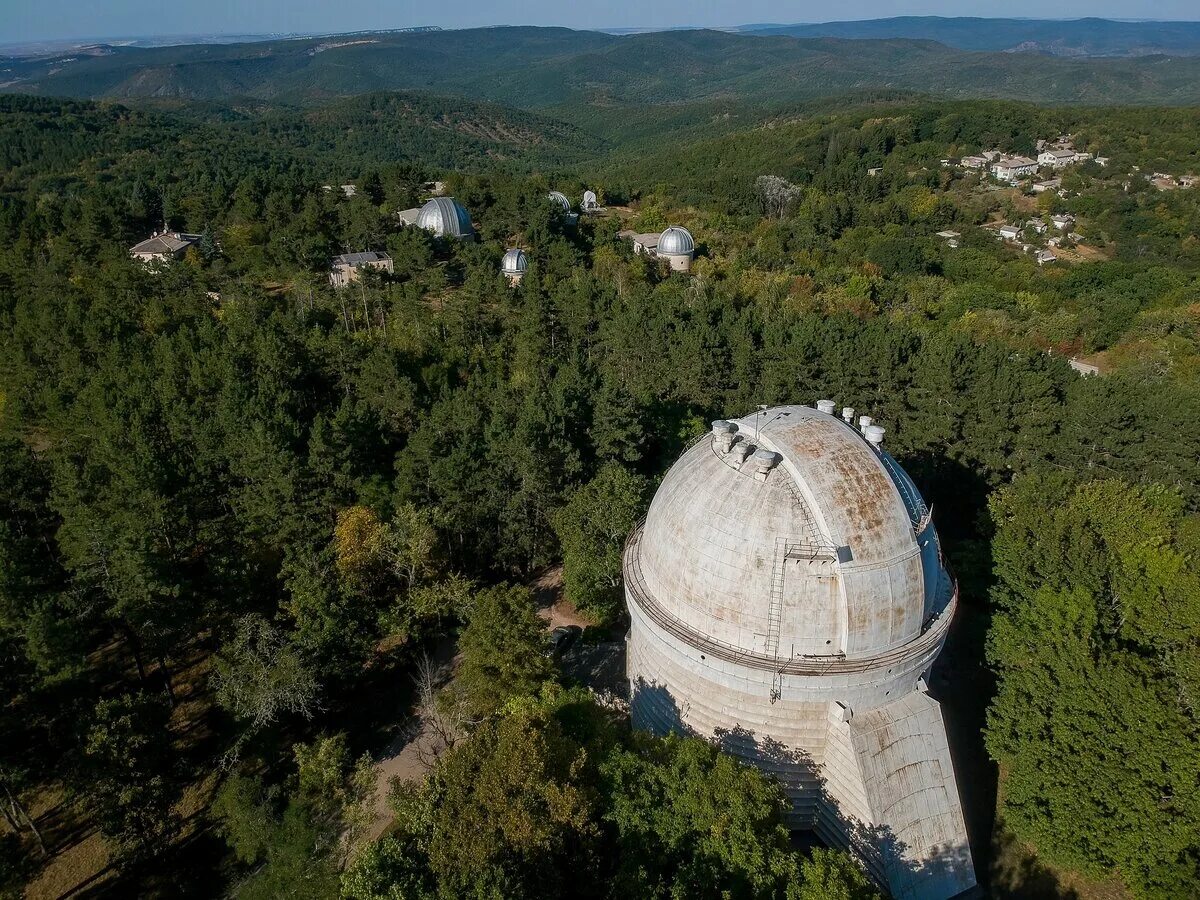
(552, 605)
(412, 750)
(414, 747)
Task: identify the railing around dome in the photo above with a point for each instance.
(932, 634)
(918, 511)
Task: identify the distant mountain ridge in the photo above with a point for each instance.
(1088, 37)
(536, 68)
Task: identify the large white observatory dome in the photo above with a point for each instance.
(834, 529)
(787, 596)
(445, 217)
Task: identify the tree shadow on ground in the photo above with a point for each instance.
(1016, 874)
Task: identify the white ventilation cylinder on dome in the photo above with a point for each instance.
(723, 433)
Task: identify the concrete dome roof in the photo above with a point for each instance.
(676, 241)
(559, 199)
(445, 217)
(834, 531)
(515, 262)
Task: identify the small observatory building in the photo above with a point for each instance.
(787, 597)
(677, 247)
(514, 265)
(562, 203)
(445, 217)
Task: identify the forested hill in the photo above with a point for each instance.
(1073, 37)
(85, 140)
(541, 67)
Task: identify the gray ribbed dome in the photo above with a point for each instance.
(559, 199)
(676, 241)
(515, 262)
(445, 217)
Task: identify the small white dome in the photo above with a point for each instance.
(515, 262)
(676, 241)
(559, 199)
(445, 217)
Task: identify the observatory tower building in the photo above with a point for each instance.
(788, 597)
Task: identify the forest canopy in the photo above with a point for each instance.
(241, 511)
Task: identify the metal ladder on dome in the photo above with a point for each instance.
(775, 614)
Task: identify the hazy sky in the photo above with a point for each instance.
(35, 19)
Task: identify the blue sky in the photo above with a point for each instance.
(33, 20)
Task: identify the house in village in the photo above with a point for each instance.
(1062, 221)
(1009, 232)
(1045, 256)
(1057, 157)
(1012, 168)
(349, 267)
(950, 237)
(1050, 184)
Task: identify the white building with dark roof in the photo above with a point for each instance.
(163, 246)
(349, 267)
(1012, 168)
(1056, 158)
